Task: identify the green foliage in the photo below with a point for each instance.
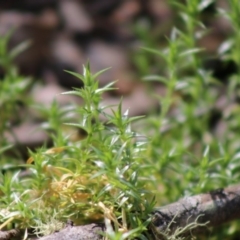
(91, 179)
(110, 174)
(186, 153)
(13, 88)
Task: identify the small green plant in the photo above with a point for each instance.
(187, 155)
(185, 142)
(93, 179)
(12, 88)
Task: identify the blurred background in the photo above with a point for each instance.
(65, 34)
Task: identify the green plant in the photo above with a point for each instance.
(108, 174)
(92, 179)
(12, 86)
(187, 155)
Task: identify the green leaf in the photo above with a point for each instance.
(154, 51)
(156, 78)
(191, 51)
(19, 49)
(204, 4)
(100, 72)
(77, 75)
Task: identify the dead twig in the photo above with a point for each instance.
(197, 213)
